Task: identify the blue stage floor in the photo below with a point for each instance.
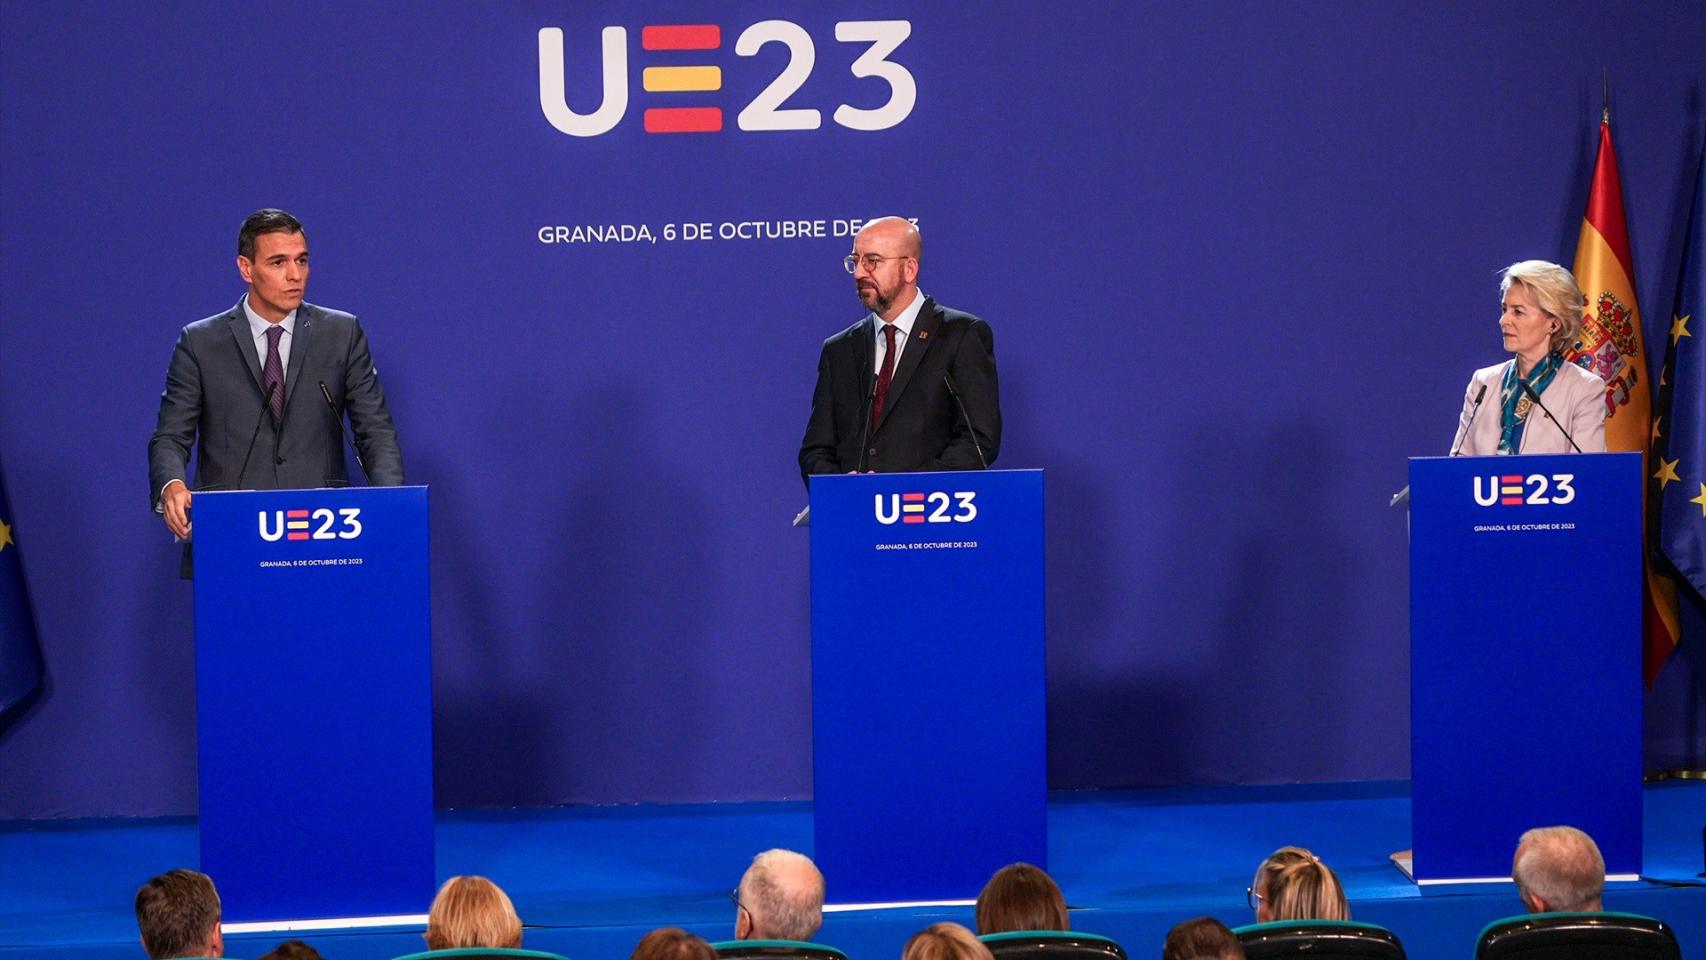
(589, 881)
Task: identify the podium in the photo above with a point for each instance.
(314, 701)
(1525, 658)
(929, 757)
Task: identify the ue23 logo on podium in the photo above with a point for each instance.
(321, 524)
(934, 507)
(1514, 489)
(670, 112)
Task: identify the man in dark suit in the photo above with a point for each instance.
(244, 386)
(885, 400)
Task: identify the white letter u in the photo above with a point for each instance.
(273, 535)
(554, 101)
(894, 508)
(1492, 496)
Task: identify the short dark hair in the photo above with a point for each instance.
(1021, 897)
(269, 220)
(1205, 938)
(177, 913)
(672, 943)
(292, 950)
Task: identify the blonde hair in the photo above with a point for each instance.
(1308, 890)
(1270, 868)
(945, 941)
(1555, 292)
(472, 912)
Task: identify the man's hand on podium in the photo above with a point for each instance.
(175, 506)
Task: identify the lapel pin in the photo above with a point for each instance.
(923, 334)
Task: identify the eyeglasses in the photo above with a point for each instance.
(734, 898)
(1251, 897)
(870, 260)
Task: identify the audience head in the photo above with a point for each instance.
(1293, 884)
(1021, 897)
(780, 897)
(945, 941)
(178, 916)
(1204, 938)
(1260, 897)
(292, 950)
(672, 943)
(1558, 868)
(472, 912)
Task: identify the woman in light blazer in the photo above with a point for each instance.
(1542, 313)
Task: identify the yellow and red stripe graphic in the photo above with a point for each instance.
(684, 78)
(1510, 489)
(912, 508)
(296, 521)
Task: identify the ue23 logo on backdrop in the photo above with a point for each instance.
(680, 90)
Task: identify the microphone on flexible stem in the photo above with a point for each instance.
(266, 405)
(1536, 398)
(865, 430)
(1473, 409)
(954, 391)
(1402, 497)
(337, 415)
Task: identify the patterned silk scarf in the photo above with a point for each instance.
(1515, 401)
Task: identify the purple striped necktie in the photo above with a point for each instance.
(274, 372)
(885, 377)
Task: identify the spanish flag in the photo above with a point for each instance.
(1610, 346)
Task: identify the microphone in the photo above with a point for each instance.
(865, 430)
(338, 417)
(266, 405)
(1536, 398)
(1473, 409)
(953, 391)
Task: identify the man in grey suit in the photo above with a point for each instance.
(245, 386)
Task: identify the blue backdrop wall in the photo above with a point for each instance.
(1239, 257)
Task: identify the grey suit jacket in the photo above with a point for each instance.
(213, 398)
(1575, 396)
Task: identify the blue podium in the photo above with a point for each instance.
(929, 757)
(314, 701)
(1525, 658)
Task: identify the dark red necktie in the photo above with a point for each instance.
(885, 377)
(274, 372)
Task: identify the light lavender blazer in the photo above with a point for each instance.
(1575, 396)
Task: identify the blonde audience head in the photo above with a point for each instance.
(945, 941)
(472, 912)
(1293, 884)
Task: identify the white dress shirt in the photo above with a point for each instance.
(902, 334)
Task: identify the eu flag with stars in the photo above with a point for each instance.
(20, 654)
(1680, 440)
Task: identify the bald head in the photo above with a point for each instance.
(885, 258)
(1558, 868)
(897, 233)
(781, 898)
